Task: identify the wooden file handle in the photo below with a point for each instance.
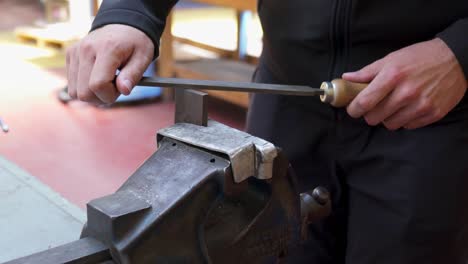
(339, 92)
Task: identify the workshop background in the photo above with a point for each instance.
(59, 155)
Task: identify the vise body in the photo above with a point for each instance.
(209, 194)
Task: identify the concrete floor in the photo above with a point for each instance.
(33, 218)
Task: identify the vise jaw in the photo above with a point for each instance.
(249, 156)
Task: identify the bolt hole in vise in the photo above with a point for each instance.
(174, 144)
(212, 160)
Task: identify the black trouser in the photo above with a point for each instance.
(398, 197)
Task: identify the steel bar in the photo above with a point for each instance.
(191, 107)
(298, 90)
(4, 126)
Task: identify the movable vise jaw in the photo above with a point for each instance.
(209, 194)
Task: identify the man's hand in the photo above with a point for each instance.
(92, 63)
(410, 88)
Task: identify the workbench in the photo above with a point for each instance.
(231, 66)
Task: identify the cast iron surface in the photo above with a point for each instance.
(182, 206)
(83, 251)
(249, 155)
(174, 189)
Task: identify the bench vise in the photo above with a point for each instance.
(209, 194)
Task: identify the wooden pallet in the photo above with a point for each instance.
(57, 35)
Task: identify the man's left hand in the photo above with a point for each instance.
(410, 88)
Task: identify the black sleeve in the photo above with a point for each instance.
(148, 16)
(456, 37)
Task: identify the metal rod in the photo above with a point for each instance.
(298, 90)
(4, 126)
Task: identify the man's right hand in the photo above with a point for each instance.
(93, 62)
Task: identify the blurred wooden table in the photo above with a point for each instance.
(230, 67)
(250, 5)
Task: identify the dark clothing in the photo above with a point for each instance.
(398, 197)
(309, 41)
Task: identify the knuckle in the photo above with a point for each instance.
(364, 104)
(371, 120)
(395, 73)
(146, 59)
(72, 93)
(108, 43)
(109, 99)
(114, 46)
(97, 85)
(426, 106)
(149, 51)
(86, 47)
(392, 126)
(392, 56)
(85, 95)
(409, 94)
